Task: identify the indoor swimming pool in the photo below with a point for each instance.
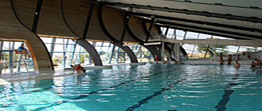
(149, 87)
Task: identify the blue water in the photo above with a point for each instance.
(150, 87)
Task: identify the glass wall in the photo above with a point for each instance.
(142, 53)
(198, 51)
(65, 52)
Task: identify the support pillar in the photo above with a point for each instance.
(163, 51)
(52, 47)
(184, 37)
(215, 53)
(208, 47)
(1, 48)
(238, 49)
(177, 51)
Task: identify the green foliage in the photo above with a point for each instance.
(210, 50)
(82, 58)
(7, 65)
(147, 54)
(55, 64)
(249, 50)
(55, 59)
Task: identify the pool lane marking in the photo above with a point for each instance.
(144, 101)
(100, 90)
(221, 106)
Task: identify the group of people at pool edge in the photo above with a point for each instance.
(254, 65)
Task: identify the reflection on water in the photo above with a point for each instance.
(147, 87)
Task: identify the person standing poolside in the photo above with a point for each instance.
(221, 58)
(248, 55)
(22, 50)
(79, 69)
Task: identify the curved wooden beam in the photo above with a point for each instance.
(154, 51)
(154, 31)
(116, 42)
(135, 29)
(114, 23)
(74, 29)
(91, 50)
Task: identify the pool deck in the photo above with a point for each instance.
(7, 78)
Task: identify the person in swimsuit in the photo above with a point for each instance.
(258, 63)
(221, 58)
(236, 64)
(229, 59)
(248, 55)
(253, 65)
(79, 69)
(156, 59)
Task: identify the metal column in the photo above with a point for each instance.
(163, 51)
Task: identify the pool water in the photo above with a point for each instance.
(150, 87)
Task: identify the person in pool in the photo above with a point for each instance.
(79, 69)
(236, 64)
(229, 59)
(258, 63)
(253, 65)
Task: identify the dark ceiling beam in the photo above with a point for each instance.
(223, 33)
(88, 19)
(150, 28)
(189, 12)
(103, 26)
(127, 17)
(215, 4)
(200, 22)
(36, 17)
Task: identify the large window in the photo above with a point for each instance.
(197, 51)
(65, 52)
